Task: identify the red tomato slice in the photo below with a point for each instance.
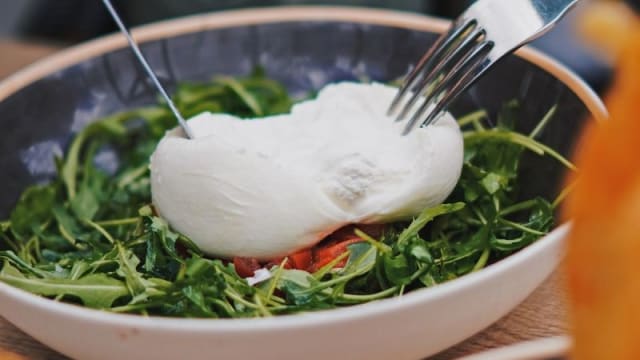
(301, 260)
(316, 257)
(324, 255)
(246, 267)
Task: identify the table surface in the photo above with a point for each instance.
(542, 314)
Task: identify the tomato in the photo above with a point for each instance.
(246, 267)
(316, 257)
(324, 255)
(301, 260)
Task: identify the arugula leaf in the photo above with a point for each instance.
(85, 205)
(96, 290)
(425, 217)
(398, 269)
(296, 284)
(361, 258)
(247, 98)
(33, 209)
(9, 257)
(202, 281)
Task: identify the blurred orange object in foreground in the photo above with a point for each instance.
(605, 25)
(603, 261)
(10, 356)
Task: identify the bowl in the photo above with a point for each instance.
(304, 47)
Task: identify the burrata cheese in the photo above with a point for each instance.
(267, 187)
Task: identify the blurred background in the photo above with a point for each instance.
(61, 23)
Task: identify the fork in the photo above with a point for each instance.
(486, 32)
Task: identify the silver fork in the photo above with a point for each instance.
(486, 32)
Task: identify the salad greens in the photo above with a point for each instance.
(91, 237)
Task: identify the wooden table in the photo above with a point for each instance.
(542, 314)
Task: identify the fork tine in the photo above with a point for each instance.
(440, 86)
(426, 86)
(461, 73)
(464, 83)
(441, 45)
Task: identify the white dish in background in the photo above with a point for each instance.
(557, 347)
(413, 326)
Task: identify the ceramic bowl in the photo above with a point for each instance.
(42, 106)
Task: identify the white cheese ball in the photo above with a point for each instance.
(268, 187)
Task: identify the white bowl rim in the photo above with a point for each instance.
(234, 18)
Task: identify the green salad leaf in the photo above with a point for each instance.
(94, 290)
(91, 237)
